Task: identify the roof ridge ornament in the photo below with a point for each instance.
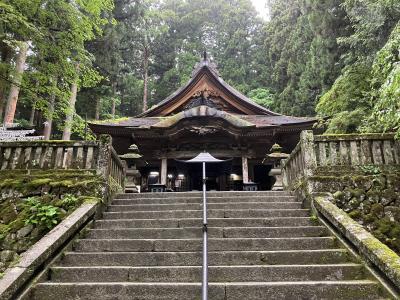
(205, 62)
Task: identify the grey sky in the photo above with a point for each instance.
(260, 6)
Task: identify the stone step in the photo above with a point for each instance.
(252, 273)
(224, 244)
(199, 194)
(212, 213)
(198, 206)
(345, 290)
(214, 232)
(215, 222)
(199, 199)
(289, 257)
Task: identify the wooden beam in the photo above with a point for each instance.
(192, 153)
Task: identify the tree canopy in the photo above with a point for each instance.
(100, 59)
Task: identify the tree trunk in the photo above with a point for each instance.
(33, 109)
(69, 116)
(15, 86)
(32, 116)
(48, 124)
(114, 95)
(98, 107)
(145, 76)
(5, 58)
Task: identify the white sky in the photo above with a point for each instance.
(260, 6)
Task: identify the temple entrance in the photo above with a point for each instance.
(217, 175)
(226, 176)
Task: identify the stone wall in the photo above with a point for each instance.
(34, 201)
(360, 173)
(369, 194)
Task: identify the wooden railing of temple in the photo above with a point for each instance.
(80, 155)
(313, 152)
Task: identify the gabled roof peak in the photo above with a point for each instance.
(205, 62)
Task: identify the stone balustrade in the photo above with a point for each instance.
(85, 155)
(315, 152)
(355, 150)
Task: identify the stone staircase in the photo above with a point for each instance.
(263, 245)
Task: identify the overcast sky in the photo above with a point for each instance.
(260, 6)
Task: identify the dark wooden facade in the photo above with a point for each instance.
(206, 114)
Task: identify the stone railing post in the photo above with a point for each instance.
(104, 158)
(284, 174)
(308, 151)
(309, 157)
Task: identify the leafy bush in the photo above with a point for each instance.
(370, 169)
(69, 201)
(40, 214)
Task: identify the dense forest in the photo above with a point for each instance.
(63, 61)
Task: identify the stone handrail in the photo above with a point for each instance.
(292, 166)
(301, 161)
(354, 150)
(48, 155)
(313, 152)
(117, 168)
(84, 155)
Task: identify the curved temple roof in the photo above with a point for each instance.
(205, 95)
(206, 76)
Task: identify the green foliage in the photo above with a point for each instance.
(368, 87)
(40, 214)
(69, 201)
(370, 170)
(80, 128)
(263, 97)
(336, 58)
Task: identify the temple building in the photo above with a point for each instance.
(206, 114)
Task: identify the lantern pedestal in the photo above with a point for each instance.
(277, 174)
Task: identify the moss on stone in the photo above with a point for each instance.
(49, 187)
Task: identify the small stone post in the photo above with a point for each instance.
(308, 152)
(104, 156)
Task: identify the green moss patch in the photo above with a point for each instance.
(33, 202)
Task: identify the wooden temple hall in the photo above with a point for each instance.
(206, 114)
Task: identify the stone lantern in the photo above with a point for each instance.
(132, 174)
(275, 156)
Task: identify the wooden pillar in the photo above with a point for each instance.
(251, 171)
(164, 167)
(245, 169)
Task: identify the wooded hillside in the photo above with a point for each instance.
(63, 61)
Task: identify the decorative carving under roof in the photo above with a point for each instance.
(198, 101)
(206, 82)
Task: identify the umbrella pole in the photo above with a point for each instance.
(204, 286)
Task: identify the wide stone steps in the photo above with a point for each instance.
(212, 213)
(249, 273)
(213, 222)
(262, 245)
(195, 206)
(215, 244)
(198, 200)
(351, 289)
(213, 232)
(222, 195)
(279, 257)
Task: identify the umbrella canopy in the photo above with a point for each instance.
(204, 157)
